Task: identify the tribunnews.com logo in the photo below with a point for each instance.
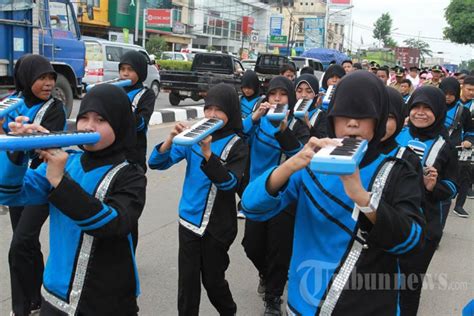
(315, 276)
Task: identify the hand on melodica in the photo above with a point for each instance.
(206, 147)
(19, 127)
(466, 144)
(430, 177)
(284, 122)
(56, 160)
(178, 128)
(354, 189)
(304, 156)
(262, 109)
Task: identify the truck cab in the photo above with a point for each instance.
(48, 28)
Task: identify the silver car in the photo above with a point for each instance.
(103, 58)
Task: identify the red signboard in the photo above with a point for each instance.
(247, 25)
(407, 57)
(159, 17)
(344, 2)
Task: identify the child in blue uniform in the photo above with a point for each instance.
(461, 133)
(268, 244)
(332, 76)
(427, 136)
(95, 198)
(307, 87)
(207, 221)
(250, 87)
(133, 65)
(347, 227)
(34, 81)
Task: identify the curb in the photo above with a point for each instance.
(166, 115)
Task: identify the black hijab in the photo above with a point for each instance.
(281, 82)
(19, 86)
(311, 81)
(250, 80)
(361, 94)
(138, 63)
(435, 99)
(333, 70)
(30, 69)
(395, 108)
(113, 105)
(226, 98)
(452, 86)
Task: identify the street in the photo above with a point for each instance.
(451, 274)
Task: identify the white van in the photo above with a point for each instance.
(103, 58)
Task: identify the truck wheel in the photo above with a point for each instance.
(174, 99)
(155, 87)
(63, 92)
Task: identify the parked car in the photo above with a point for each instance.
(174, 56)
(207, 70)
(314, 63)
(268, 66)
(103, 58)
(48, 28)
(249, 64)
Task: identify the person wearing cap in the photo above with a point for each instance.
(365, 64)
(413, 75)
(374, 66)
(436, 73)
(399, 76)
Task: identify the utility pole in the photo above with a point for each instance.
(289, 35)
(137, 20)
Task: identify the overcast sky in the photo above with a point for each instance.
(411, 18)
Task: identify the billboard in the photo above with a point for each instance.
(159, 17)
(247, 25)
(407, 56)
(313, 33)
(276, 24)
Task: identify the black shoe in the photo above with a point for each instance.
(261, 287)
(272, 306)
(459, 211)
(470, 194)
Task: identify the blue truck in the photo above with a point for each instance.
(48, 28)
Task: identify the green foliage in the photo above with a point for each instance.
(460, 18)
(382, 30)
(174, 65)
(382, 57)
(467, 65)
(423, 46)
(155, 45)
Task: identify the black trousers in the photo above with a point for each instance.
(269, 246)
(465, 181)
(413, 269)
(203, 257)
(25, 257)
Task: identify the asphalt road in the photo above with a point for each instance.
(449, 288)
(161, 103)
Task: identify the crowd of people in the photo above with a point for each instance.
(355, 244)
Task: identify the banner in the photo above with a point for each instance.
(276, 23)
(159, 17)
(313, 33)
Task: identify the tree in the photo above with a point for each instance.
(383, 29)
(460, 18)
(467, 65)
(156, 45)
(423, 46)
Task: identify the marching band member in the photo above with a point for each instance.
(346, 227)
(207, 209)
(95, 198)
